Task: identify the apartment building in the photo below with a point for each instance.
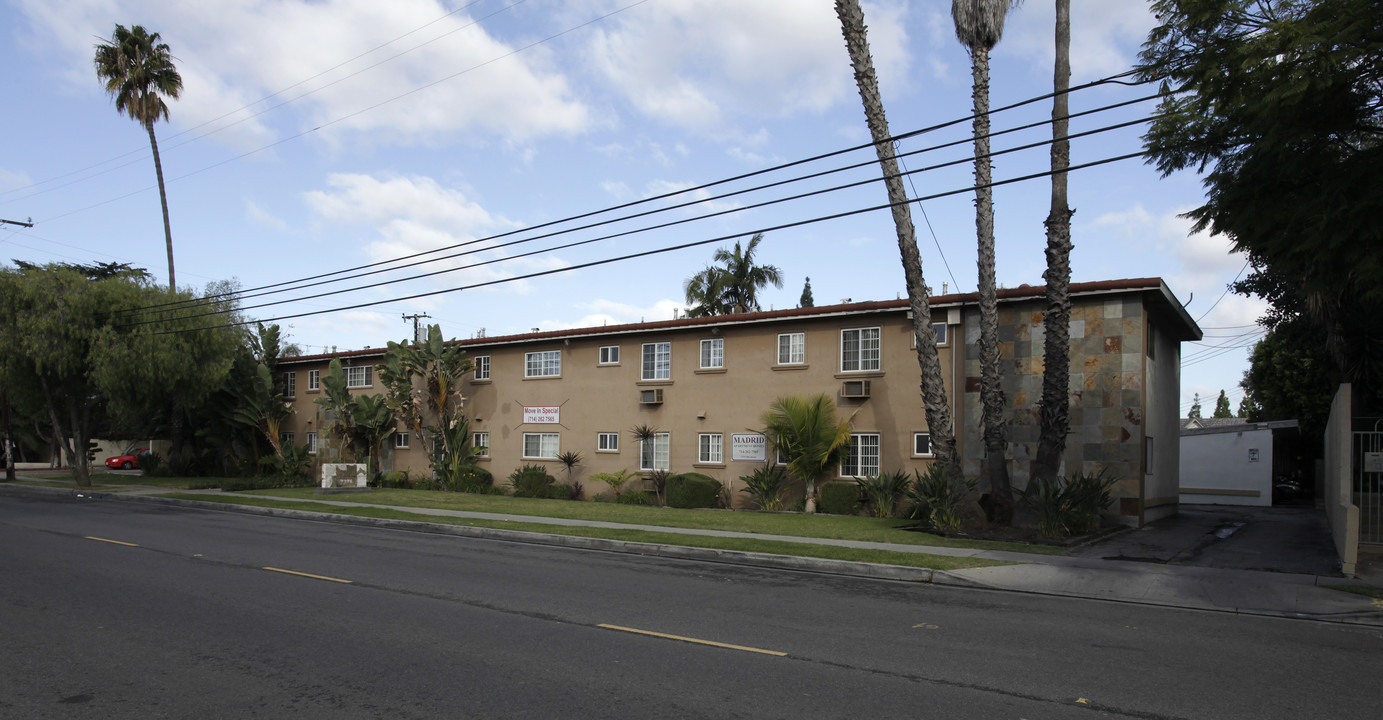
(701, 384)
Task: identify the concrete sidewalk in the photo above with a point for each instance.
(1084, 573)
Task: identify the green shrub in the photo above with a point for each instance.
(692, 490)
(397, 479)
(883, 491)
(568, 491)
(604, 497)
(152, 464)
(765, 485)
(839, 498)
(532, 481)
(1090, 495)
(635, 497)
(473, 479)
(615, 480)
(936, 499)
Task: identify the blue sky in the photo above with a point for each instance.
(313, 137)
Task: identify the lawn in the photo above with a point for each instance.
(106, 480)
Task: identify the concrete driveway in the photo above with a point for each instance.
(1289, 540)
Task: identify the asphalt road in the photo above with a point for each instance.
(131, 610)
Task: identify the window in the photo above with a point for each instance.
(609, 355)
(792, 348)
(710, 448)
(290, 384)
(1148, 456)
(542, 364)
(482, 367)
(311, 439)
(859, 349)
(713, 353)
(286, 439)
(939, 328)
(607, 442)
(314, 379)
(481, 442)
(657, 361)
(864, 456)
(541, 446)
(358, 376)
(656, 454)
(1152, 346)
(401, 440)
(922, 444)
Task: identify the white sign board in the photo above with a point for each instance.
(748, 447)
(343, 475)
(1373, 462)
(539, 415)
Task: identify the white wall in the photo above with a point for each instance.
(1222, 461)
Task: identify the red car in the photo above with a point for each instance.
(128, 461)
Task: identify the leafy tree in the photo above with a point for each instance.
(1054, 409)
(261, 405)
(805, 432)
(1286, 380)
(424, 383)
(1195, 411)
(1279, 103)
(138, 72)
(806, 300)
(362, 422)
(1246, 407)
(979, 26)
(1222, 407)
(933, 386)
(733, 286)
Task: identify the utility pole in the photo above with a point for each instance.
(417, 338)
(30, 222)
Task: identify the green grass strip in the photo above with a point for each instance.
(831, 552)
(1366, 590)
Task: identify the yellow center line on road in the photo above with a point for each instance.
(307, 575)
(113, 542)
(693, 640)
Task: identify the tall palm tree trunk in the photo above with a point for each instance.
(933, 385)
(1056, 319)
(163, 199)
(991, 393)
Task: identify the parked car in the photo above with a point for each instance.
(128, 461)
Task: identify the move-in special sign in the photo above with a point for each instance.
(542, 415)
(749, 447)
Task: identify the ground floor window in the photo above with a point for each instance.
(311, 439)
(864, 456)
(710, 448)
(607, 442)
(401, 440)
(656, 452)
(541, 446)
(481, 442)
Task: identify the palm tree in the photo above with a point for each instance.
(933, 384)
(732, 287)
(979, 25)
(1055, 408)
(138, 71)
(805, 433)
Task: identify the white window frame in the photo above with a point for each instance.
(649, 367)
(286, 438)
(543, 363)
(857, 463)
(290, 384)
(607, 442)
(482, 367)
(659, 455)
(401, 441)
(481, 442)
(794, 352)
(918, 436)
(609, 355)
(355, 373)
(547, 443)
(314, 379)
(710, 448)
(942, 332)
(311, 440)
(713, 354)
(860, 357)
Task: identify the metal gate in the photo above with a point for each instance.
(1367, 483)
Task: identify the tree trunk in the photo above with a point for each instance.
(163, 199)
(810, 506)
(1056, 319)
(933, 385)
(1000, 509)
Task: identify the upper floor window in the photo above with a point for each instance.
(609, 355)
(713, 353)
(401, 440)
(859, 349)
(311, 440)
(286, 438)
(792, 348)
(482, 367)
(358, 376)
(290, 384)
(922, 444)
(314, 379)
(864, 456)
(542, 364)
(657, 361)
(940, 329)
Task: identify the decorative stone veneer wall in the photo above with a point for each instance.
(1107, 372)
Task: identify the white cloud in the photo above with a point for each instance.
(257, 214)
(12, 180)
(601, 312)
(1105, 36)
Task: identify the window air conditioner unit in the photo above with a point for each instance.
(651, 397)
(855, 389)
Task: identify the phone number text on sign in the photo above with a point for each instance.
(540, 415)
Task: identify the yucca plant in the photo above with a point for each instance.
(1088, 496)
(938, 500)
(883, 491)
(765, 485)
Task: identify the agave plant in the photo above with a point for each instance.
(883, 491)
(765, 485)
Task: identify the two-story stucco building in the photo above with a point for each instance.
(703, 383)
